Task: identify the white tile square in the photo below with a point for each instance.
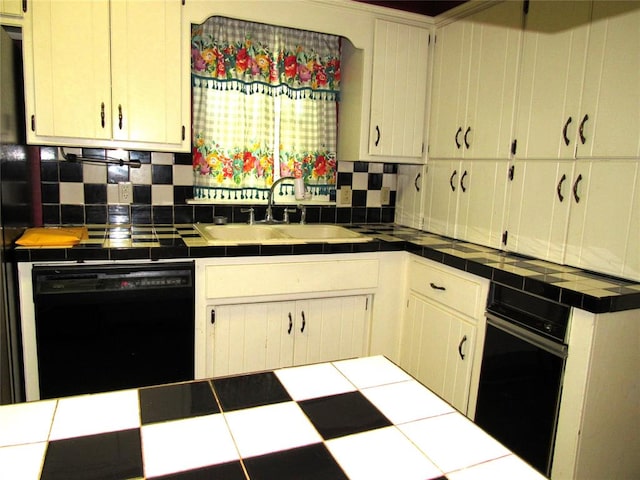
(183, 175)
(94, 173)
(360, 181)
(26, 422)
(371, 371)
(312, 381)
(162, 158)
(98, 413)
(505, 468)
(381, 454)
(271, 428)
(72, 193)
(406, 401)
(162, 194)
(142, 175)
(22, 462)
(170, 447)
(453, 442)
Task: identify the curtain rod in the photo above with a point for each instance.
(72, 157)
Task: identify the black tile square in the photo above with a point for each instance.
(142, 194)
(70, 172)
(222, 471)
(49, 171)
(359, 198)
(182, 158)
(96, 214)
(142, 157)
(360, 166)
(247, 391)
(119, 214)
(161, 174)
(106, 455)
(162, 214)
(172, 402)
(117, 173)
(95, 193)
(374, 181)
(345, 414)
(311, 462)
(50, 192)
(141, 214)
(72, 214)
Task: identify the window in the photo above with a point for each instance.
(264, 106)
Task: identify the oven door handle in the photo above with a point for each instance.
(555, 348)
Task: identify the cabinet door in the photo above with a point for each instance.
(604, 221)
(330, 329)
(11, 7)
(146, 69)
(551, 79)
(611, 98)
(462, 338)
(399, 89)
(409, 196)
(71, 69)
(251, 337)
(495, 46)
(539, 206)
(482, 189)
(441, 196)
(448, 97)
(425, 343)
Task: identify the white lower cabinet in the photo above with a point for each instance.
(437, 349)
(252, 337)
(443, 329)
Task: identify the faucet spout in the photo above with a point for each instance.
(269, 215)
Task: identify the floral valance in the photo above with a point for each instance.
(249, 57)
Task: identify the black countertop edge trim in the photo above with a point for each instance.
(564, 296)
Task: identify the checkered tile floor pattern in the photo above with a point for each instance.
(353, 419)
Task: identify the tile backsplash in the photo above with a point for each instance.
(87, 193)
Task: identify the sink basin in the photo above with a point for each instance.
(239, 233)
(232, 234)
(322, 233)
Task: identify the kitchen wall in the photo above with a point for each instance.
(85, 193)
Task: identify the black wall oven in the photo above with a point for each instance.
(108, 327)
(521, 374)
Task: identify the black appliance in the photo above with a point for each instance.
(109, 327)
(523, 363)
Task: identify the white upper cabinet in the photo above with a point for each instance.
(539, 207)
(579, 90)
(92, 82)
(583, 213)
(11, 7)
(466, 199)
(611, 96)
(604, 226)
(399, 89)
(474, 84)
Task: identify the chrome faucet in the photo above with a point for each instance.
(269, 215)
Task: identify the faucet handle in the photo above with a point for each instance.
(252, 218)
(287, 211)
(303, 213)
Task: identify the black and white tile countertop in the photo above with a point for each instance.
(354, 419)
(568, 285)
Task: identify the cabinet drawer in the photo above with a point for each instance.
(446, 286)
(238, 280)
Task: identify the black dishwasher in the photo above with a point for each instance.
(113, 326)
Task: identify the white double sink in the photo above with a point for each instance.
(238, 234)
